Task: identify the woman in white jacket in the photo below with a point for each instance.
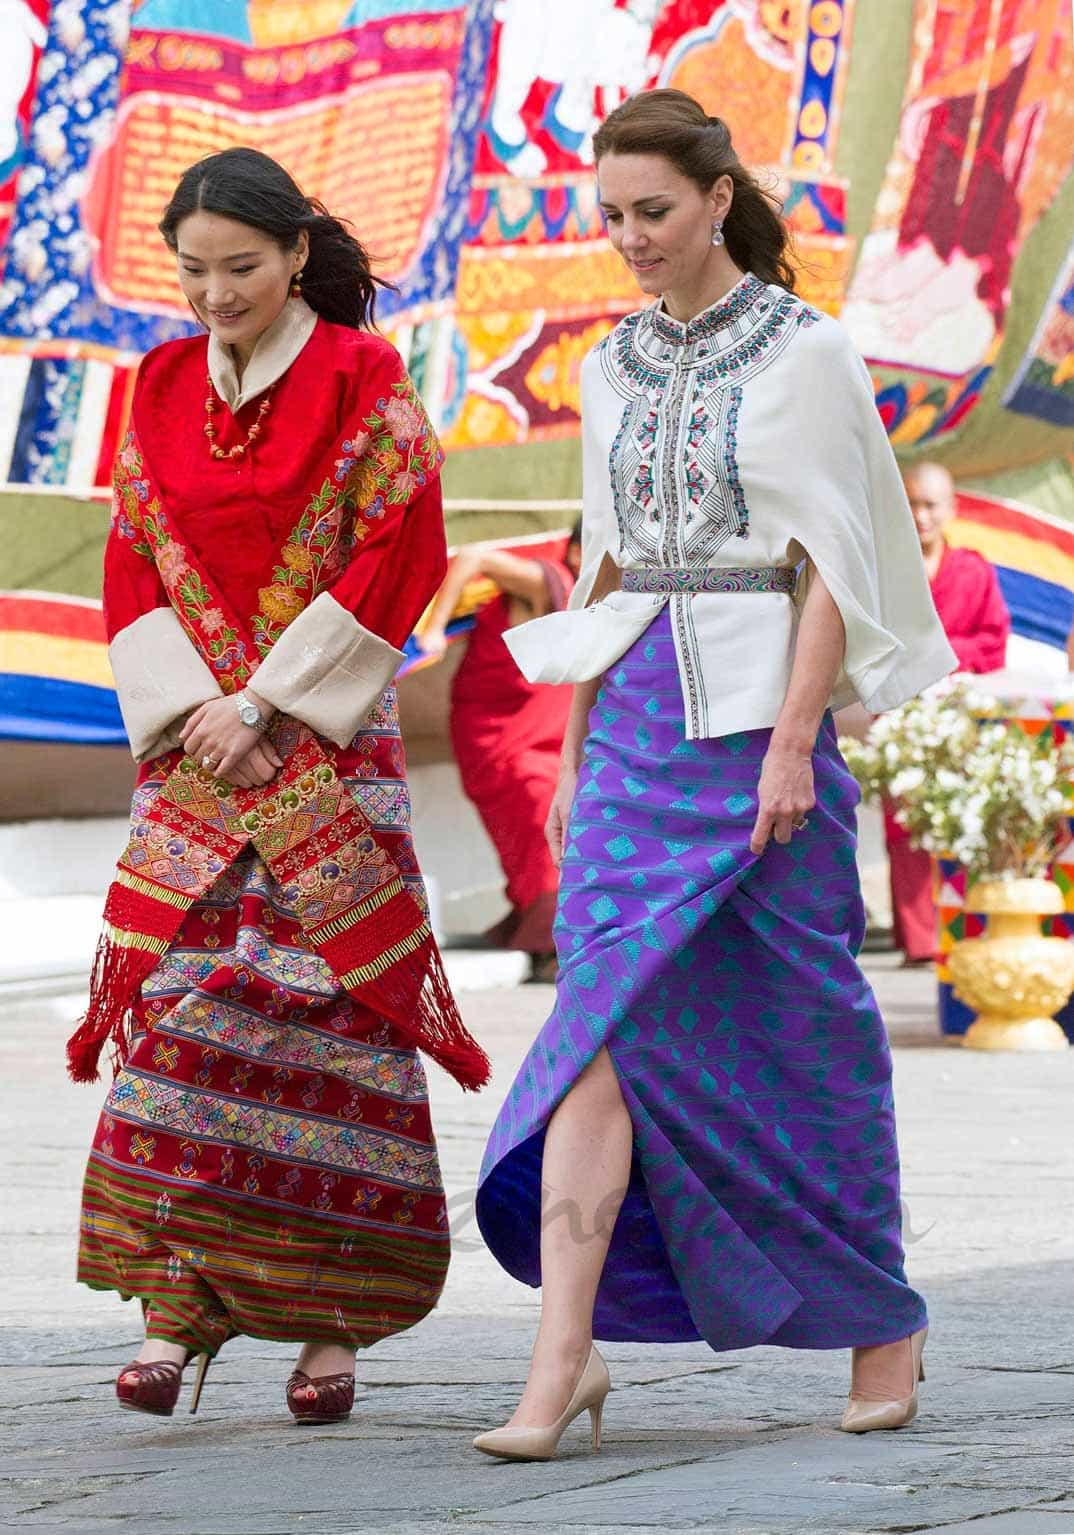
(701, 1142)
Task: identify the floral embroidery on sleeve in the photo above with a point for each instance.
(140, 519)
(388, 464)
(129, 492)
(316, 550)
(382, 466)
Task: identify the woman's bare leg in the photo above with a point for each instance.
(584, 1177)
(325, 1359)
(154, 1350)
(883, 1372)
(315, 1359)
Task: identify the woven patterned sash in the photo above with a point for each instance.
(760, 578)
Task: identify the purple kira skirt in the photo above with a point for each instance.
(763, 1204)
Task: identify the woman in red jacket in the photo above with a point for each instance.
(265, 1162)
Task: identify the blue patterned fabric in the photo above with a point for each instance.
(764, 1195)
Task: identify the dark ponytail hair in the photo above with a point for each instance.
(251, 188)
(674, 125)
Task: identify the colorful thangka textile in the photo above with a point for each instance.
(458, 138)
(763, 1204)
(265, 1161)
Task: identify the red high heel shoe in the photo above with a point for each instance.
(153, 1387)
(320, 1398)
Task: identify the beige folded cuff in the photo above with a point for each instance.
(327, 670)
(160, 678)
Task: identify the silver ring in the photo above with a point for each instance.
(800, 825)
(208, 761)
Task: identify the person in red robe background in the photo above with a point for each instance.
(972, 610)
(507, 733)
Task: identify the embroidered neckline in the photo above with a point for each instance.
(710, 321)
(638, 357)
(276, 349)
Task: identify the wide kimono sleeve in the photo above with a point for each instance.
(159, 675)
(334, 660)
(824, 478)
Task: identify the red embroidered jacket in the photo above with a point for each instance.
(325, 538)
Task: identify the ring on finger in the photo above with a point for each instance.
(800, 824)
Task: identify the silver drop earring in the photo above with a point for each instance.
(717, 232)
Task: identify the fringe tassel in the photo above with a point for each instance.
(415, 995)
(389, 960)
(442, 1033)
(141, 920)
(118, 973)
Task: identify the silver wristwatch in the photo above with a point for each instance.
(249, 713)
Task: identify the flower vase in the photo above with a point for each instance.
(1012, 976)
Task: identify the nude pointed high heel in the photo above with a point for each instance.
(865, 1413)
(541, 1443)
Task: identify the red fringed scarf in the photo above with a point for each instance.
(348, 892)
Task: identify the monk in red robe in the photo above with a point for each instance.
(507, 733)
(972, 610)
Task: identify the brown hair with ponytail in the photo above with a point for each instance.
(675, 126)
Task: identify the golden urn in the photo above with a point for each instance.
(1013, 977)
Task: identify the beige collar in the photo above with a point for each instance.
(275, 351)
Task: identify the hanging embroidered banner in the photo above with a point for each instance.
(985, 144)
(372, 106)
(538, 282)
(24, 32)
(1044, 384)
(458, 138)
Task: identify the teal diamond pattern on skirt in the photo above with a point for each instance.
(603, 909)
(621, 847)
(738, 804)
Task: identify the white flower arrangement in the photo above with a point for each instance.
(967, 784)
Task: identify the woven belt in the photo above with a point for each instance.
(762, 578)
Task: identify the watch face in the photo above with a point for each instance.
(248, 713)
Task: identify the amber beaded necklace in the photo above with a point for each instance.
(210, 430)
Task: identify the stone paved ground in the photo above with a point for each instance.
(740, 1443)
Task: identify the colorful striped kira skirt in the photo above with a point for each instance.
(265, 1161)
(763, 1204)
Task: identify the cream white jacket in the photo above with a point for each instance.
(748, 437)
